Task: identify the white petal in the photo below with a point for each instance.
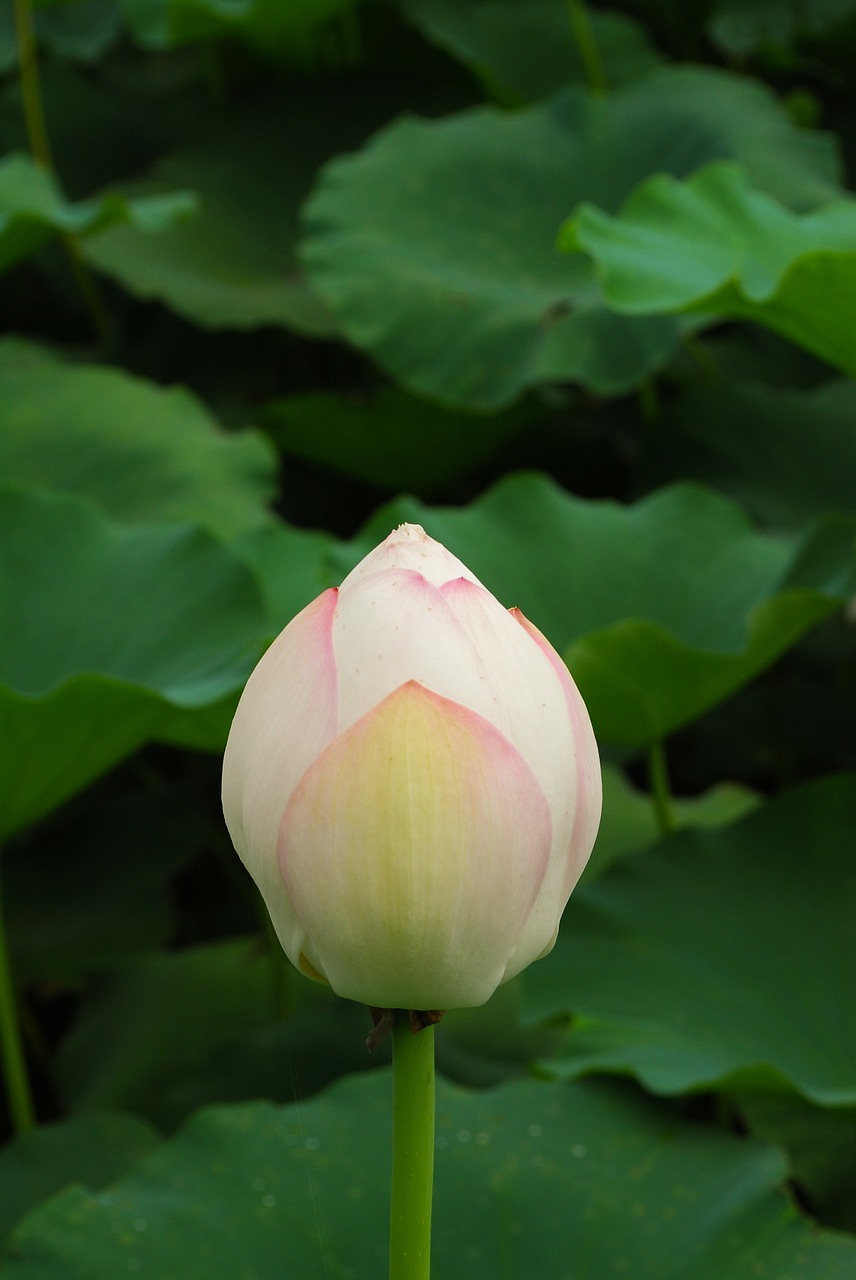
(393, 626)
(287, 715)
(585, 787)
(409, 547)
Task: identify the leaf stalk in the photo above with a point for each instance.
(661, 794)
(40, 149)
(21, 1109)
(587, 45)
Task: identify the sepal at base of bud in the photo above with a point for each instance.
(385, 1019)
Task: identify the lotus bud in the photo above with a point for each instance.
(412, 781)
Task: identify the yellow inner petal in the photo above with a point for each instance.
(413, 849)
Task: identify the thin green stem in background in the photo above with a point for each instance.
(587, 46)
(37, 138)
(412, 1151)
(660, 791)
(649, 400)
(350, 38)
(704, 361)
(21, 1110)
(281, 966)
(31, 93)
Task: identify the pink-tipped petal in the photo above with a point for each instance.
(584, 790)
(393, 626)
(523, 691)
(412, 851)
(589, 788)
(517, 688)
(409, 547)
(287, 715)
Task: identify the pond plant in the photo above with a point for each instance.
(326, 326)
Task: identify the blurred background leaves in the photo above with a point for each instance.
(572, 286)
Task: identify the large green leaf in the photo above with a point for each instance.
(33, 210)
(630, 822)
(662, 609)
(162, 24)
(677, 25)
(490, 1044)
(293, 1057)
(108, 634)
(435, 246)
(139, 451)
(786, 456)
(299, 30)
(271, 26)
(291, 566)
(73, 906)
(531, 1180)
(716, 245)
(79, 29)
(151, 1023)
(93, 1150)
(227, 1021)
(391, 441)
(821, 1144)
(718, 955)
(528, 47)
(234, 265)
(742, 29)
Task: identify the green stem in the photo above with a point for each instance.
(587, 46)
(281, 967)
(88, 289)
(649, 400)
(40, 149)
(31, 94)
(350, 38)
(212, 68)
(660, 790)
(704, 361)
(412, 1151)
(21, 1110)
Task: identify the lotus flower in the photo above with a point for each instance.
(412, 780)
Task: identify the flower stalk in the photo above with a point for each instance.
(412, 1150)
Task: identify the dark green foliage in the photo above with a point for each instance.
(574, 288)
